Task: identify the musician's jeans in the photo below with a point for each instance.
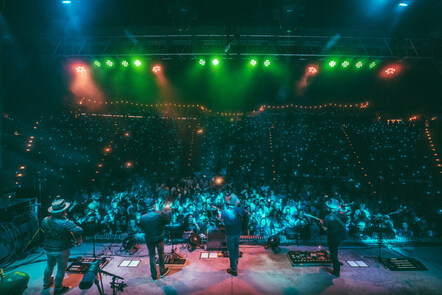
(160, 248)
(61, 259)
(233, 247)
(333, 248)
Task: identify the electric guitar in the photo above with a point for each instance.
(317, 218)
(314, 217)
(76, 240)
(244, 219)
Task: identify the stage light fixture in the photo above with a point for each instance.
(97, 63)
(403, 4)
(137, 63)
(359, 64)
(66, 2)
(267, 63)
(253, 62)
(345, 64)
(215, 62)
(124, 63)
(202, 62)
(273, 243)
(390, 71)
(312, 70)
(80, 69)
(156, 68)
(372, 65)
(109, 63)
(194, 242)
(332, 64)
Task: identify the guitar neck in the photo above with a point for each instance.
(314, 217)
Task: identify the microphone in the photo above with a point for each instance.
(90, 275)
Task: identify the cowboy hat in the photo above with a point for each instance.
(58, 206)
(333, 204)
(232, 200)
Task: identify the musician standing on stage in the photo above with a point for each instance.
(231, 216)
(152, 223)
(335, 226)
(58, 241)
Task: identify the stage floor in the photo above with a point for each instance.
(260, 272)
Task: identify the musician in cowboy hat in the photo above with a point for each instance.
(335, 226)
(231, 217)
(58, 230)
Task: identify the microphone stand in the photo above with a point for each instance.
(114, 285)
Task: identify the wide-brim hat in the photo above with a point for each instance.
(58, 206)
(333, 204)
(232, 200)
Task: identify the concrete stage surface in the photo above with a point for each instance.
(260, 272)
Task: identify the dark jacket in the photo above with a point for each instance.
(57, 232)
(152, 224)
(232, 220)
(336, 226)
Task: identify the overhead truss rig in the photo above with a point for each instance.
(302, 46)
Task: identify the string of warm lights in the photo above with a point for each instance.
(432, 147)
(192, 140)
(204, 109)
(29, 145)
(358, 160)
(271, 152)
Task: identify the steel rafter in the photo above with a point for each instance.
(164, 46)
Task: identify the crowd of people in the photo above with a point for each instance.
(282, 165)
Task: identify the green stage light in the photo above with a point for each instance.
(109, 63)
(215, 62)
(267, 63)
(253, 62)
(97, 63)
(202, 62)
(125, 63)
(359, 64)
(345, 64)
(332, 64)
(137, 63)
(372, 65)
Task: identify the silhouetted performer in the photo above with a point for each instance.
(335, 226)
(152, 223)
(232, 221)
(58, 233)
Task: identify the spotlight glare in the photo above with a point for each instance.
(125, 63)
(332, 63)
(215, 62)
(137, 63)
(219, 180)
(372, 65)
(345, 64)
(267, 63)
(156, 69)
(403, 4)
(359, 64)
(97, 63)
(253, 62)
(202, 62)
(66, 2)
(109, 63)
